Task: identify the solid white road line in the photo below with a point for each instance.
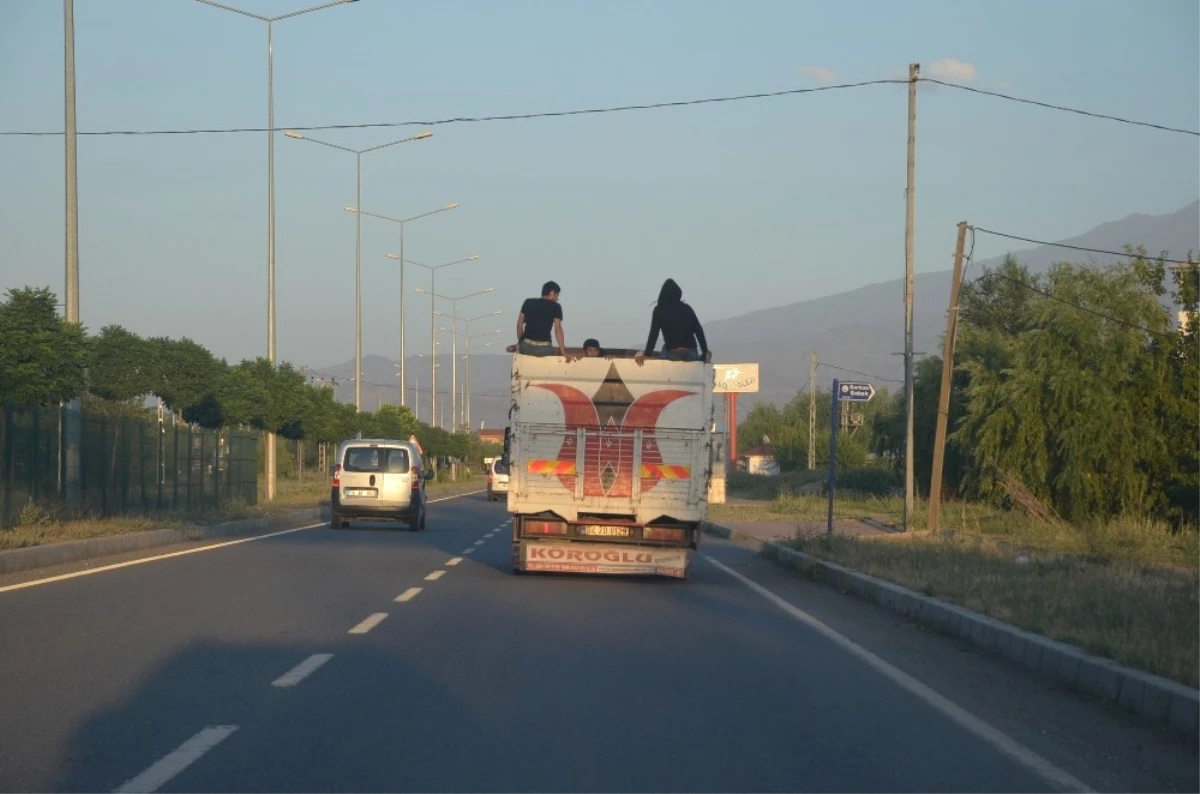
(156, 558)
(998, 740)
(456, 496)
(209, 547)
(433, 577)
(369, 623)
(408, 595)
(302, 670)
(454, 561)
(177, 760)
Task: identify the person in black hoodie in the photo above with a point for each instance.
(680, 328)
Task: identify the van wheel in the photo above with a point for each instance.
(335, 522)
(422, 518)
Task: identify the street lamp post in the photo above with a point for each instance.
(270, 441)
(433, 269)
(454, 347)
(400, 258)
(467, 387)
(358, 153)
(467, 322)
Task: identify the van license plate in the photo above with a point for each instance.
(597, 530)
(360, 492)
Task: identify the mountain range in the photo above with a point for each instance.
(858, 330)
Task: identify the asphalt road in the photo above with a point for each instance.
(311, 661)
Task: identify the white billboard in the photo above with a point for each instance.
(735, 378)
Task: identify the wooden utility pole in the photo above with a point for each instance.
(913, 70)
(812, 409)
(943, 412)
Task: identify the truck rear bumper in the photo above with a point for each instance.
(611, 559)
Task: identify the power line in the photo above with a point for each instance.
(1081, 308)
(1076, 247)
(336, 378)
(1062, 108)
(480, 119)
(856, 372)
(604, 110)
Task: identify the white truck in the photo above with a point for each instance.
(609, 463)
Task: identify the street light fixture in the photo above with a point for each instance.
(467, 322)
(454, 347)
(358, 153)
(270, 441)
(433, 269)
(403, 325)
(467, 385)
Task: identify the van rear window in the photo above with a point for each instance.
(500, 467)
(377, 459)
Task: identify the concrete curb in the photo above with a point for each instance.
(14, 560)
(1152, 696)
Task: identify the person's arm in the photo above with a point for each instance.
(558, 334)
(520, 326)
(699, 331)
(655, 328)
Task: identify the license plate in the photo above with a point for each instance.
(360, 492)
(596, 530)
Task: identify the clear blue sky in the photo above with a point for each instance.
(748, 205)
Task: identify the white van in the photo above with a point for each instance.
(497, 479)
(378, 479)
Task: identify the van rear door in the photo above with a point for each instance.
(372, 474)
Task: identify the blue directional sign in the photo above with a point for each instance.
(855, 392)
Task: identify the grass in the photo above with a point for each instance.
(1145, 616)
(1128, 588)
(36, 527)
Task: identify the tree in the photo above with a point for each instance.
(1072, 394)
(43, 359)
(120, 365)
(186, 376)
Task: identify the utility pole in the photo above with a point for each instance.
(913, 70)
(943, 414)
(812, 409)
(73, 424)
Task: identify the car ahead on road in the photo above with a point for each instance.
(497, 479)
(378, 479)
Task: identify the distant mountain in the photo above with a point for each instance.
(860, 329)
(489, 385)
(857, 330)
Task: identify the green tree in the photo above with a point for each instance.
(186, 376)
(120, 365)
(1067, 392)
(43, 359)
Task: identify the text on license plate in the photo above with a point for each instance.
(597, 530)
(360, 492)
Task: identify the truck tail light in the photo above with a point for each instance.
(337, 471)
(545, 527)
(664, 533)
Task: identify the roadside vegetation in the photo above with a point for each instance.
(45, 362)
(1072, 474)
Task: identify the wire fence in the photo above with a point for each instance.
(126, 465)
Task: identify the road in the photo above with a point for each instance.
(378, 659)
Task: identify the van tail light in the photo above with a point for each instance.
(489, 479)
(337, 471)
(664, 533)
(544, 527)
(416, 478)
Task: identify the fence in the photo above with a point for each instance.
(126, 465)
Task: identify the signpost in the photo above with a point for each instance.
(732, 380)
(849, 392)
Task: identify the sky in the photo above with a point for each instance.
(747, 204)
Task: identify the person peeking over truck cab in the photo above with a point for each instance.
(680, 328)
(539, 318)
(592, 349)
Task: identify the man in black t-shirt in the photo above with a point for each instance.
(539, 318)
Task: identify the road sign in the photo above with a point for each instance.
(855, 392)
(735, 378)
